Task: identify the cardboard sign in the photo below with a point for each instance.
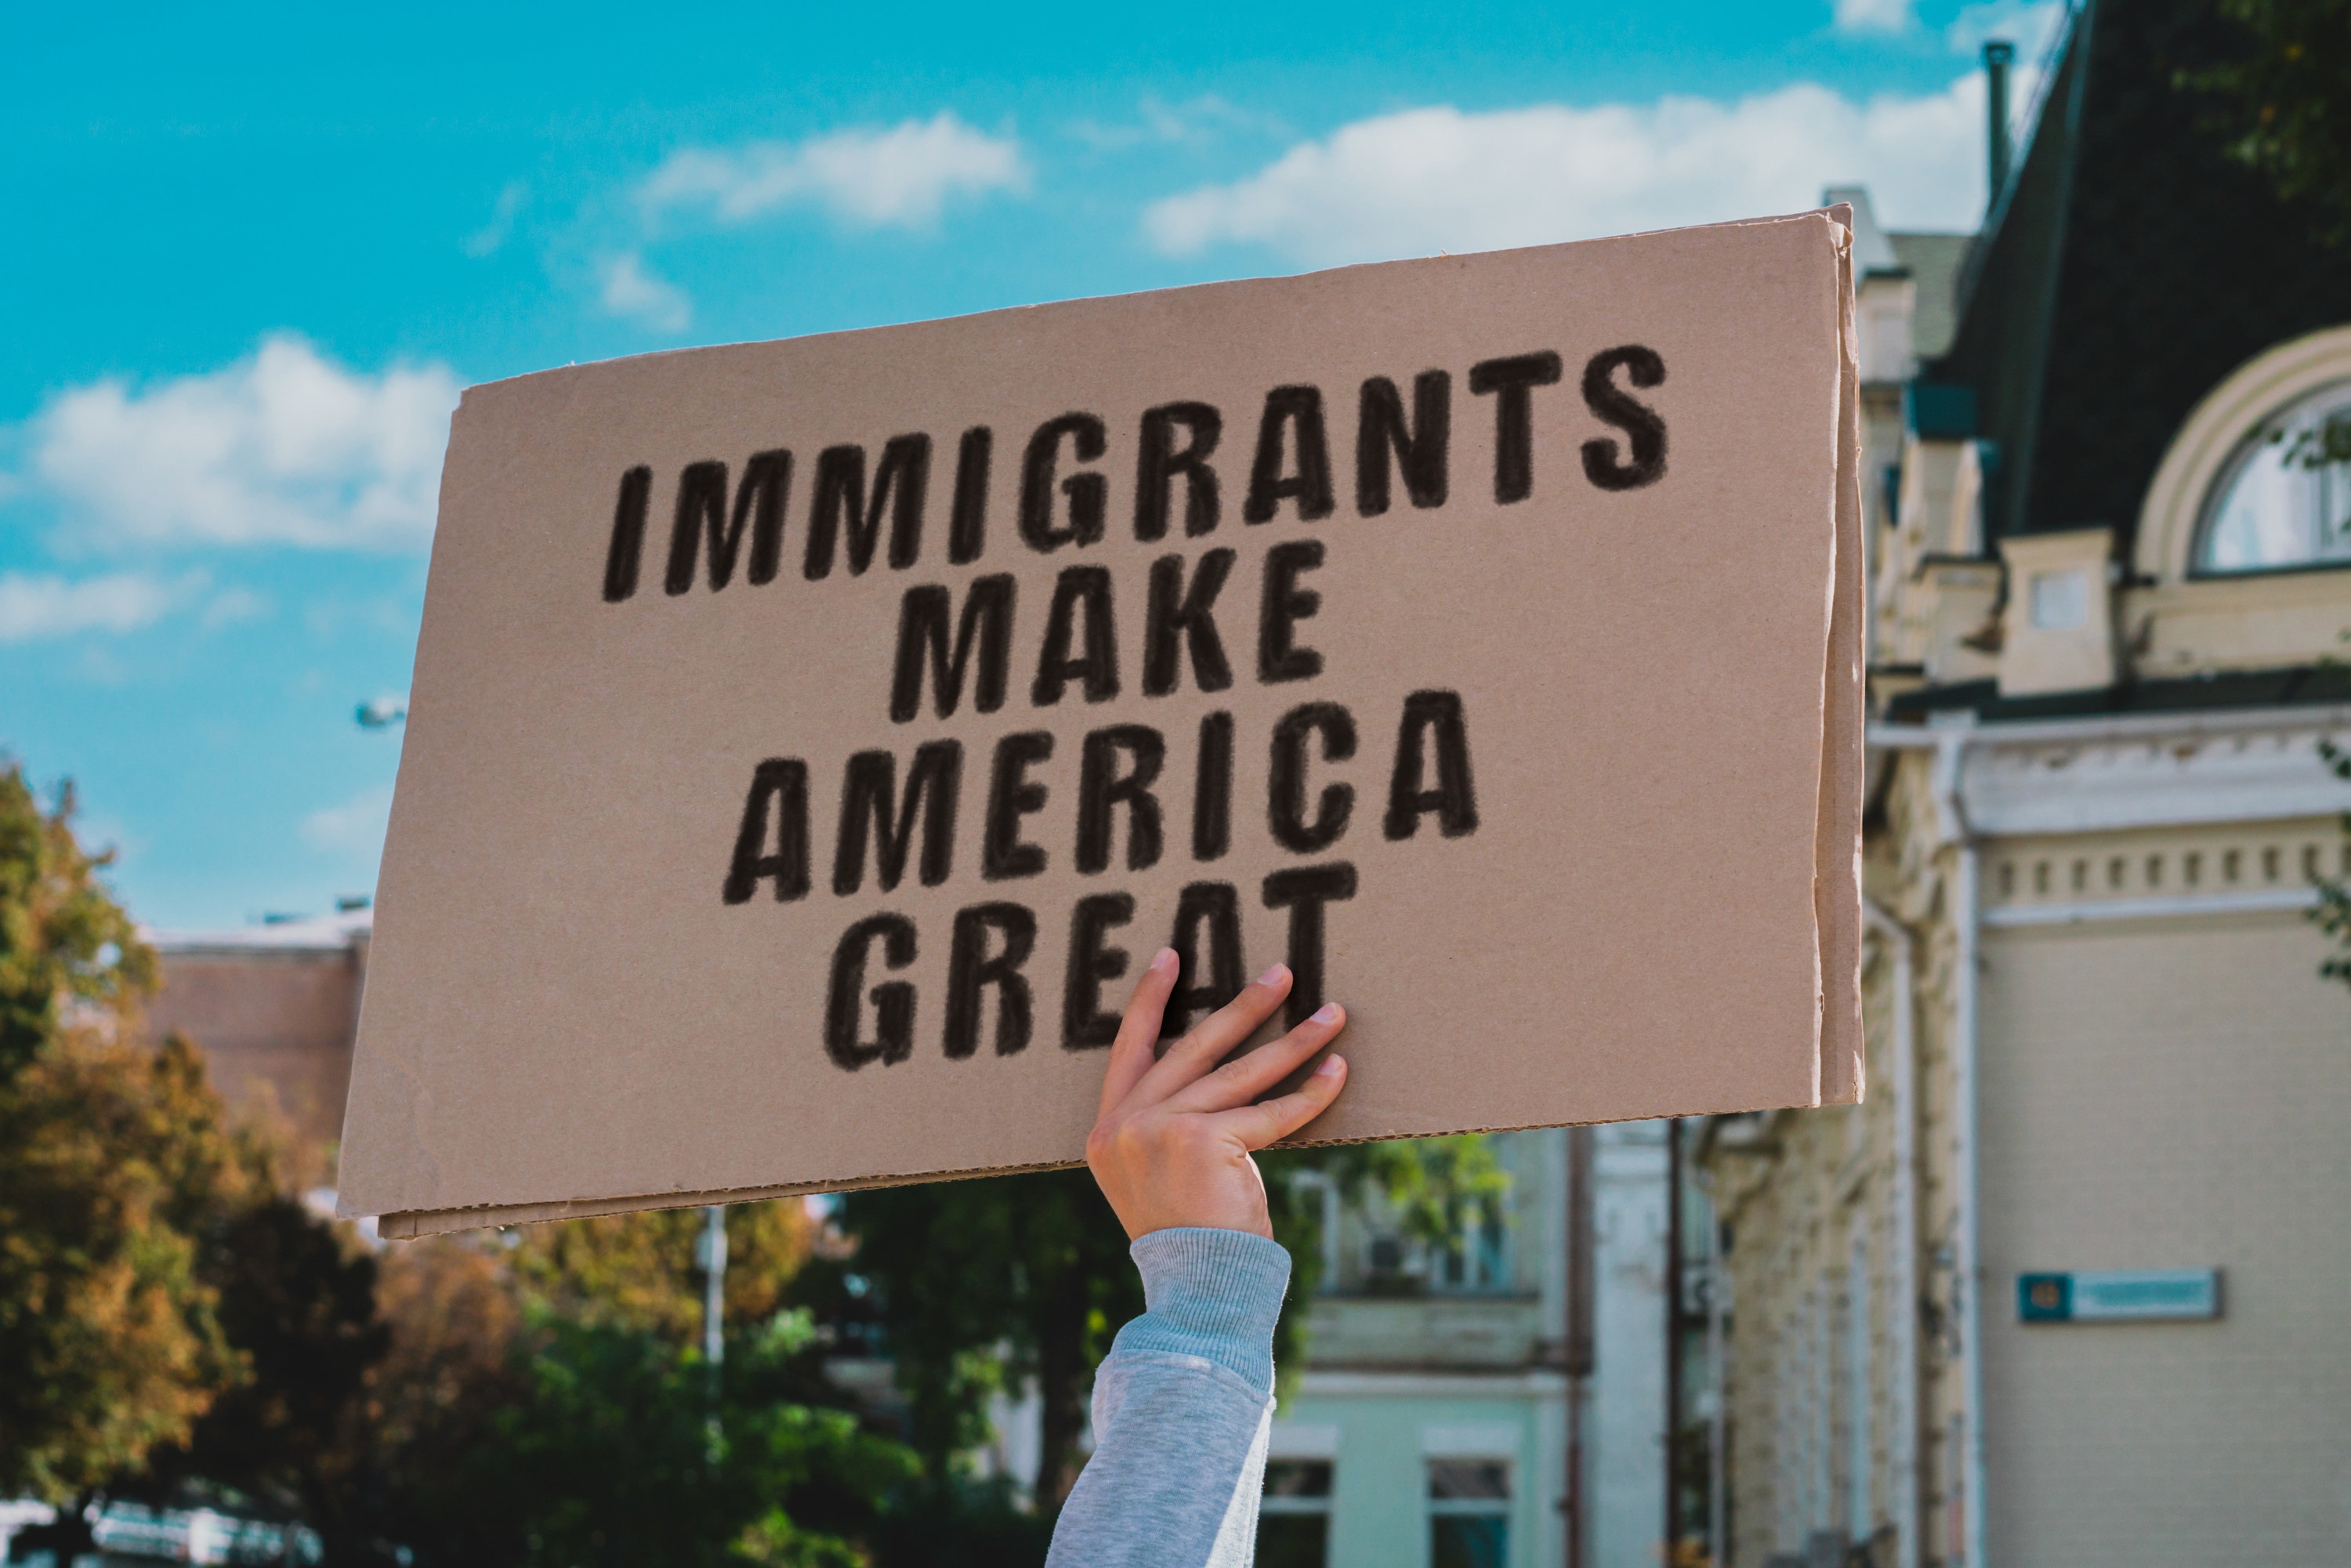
(809, 741)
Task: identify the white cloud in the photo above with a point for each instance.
(232, 605)
(1201, 120)
(492, 235)
(2030, 25)
(34, 608)
(1426, 180)
(633, 291)
(1873, 15)
(355, 827)
(900, 177)
(281, 447)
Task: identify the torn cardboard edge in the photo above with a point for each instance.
(416, 1224)
(1837, 890)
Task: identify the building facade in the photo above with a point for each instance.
(276, 1007)
(1497, 1404)
(2061, 1290)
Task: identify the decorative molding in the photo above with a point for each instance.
(2146, 771)
(1513, 1384)
(1302, 1440)
(2257, 900)
(1472, 1440)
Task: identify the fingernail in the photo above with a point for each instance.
(1332, 1067)
(1163, 959)
(1273, 976)
(1327, 1013)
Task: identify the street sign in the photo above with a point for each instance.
(2118, 1295)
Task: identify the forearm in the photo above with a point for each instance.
(1183, 1405)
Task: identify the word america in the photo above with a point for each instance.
(1174, 445)
(1118, 770)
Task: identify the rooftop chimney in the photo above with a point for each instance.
(1997, 55)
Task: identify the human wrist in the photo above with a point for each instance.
(1213, 1293)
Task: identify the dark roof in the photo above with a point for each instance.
(2127, 269)
(1933, 262)
(2298, 686)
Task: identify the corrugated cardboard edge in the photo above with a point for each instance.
(415, 1224)
(1836, 890)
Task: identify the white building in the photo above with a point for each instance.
(2063, 1290)
(1497, 1404)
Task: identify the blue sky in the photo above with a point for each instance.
(253, 253)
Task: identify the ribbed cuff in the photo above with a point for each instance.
(1215, 1294)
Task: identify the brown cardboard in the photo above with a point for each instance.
(1655, 911)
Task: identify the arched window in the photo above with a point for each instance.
(2284, 499)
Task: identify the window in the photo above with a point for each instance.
(1294, 1522)
(1468, 1513)
(2285, 499)
(2060, 601)
(1478, 1260)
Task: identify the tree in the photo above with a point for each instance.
(1433, 1188)
(298, 1304)
(111, 1340)
(544, 1400)
(167, 1314)
(173, 1321)
(638, 1271)
(610, 1451)
(455, 1317)
(111, 1157)
(984, 1284)
(2282, 99)
(64, 942)
(2332, 914)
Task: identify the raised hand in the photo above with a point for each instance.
(1172, 1144)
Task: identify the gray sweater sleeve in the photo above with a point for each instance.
(1183, 1407)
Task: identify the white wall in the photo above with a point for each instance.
(1626, 1418)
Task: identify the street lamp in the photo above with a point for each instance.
(383, 712)
(710, 1255)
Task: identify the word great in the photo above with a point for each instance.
(1065, 484)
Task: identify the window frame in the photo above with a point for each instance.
(1501, 1510)
(2242, 454)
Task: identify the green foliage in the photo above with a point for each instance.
(2332, 914)
(1433, 1189)
(988, 1283)
(109, 1342)
(63, 939)
(611, 1452)
(2282, 99)
(121, 1182)
(638, 1271)
(297, 1303)
(173, 1324)
(961, 1523)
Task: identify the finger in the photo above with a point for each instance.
(1257, 1125)
(1213, 1038)
(1243, 1078)
(1130, 1053)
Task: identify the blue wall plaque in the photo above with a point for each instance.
(2118, 1295)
